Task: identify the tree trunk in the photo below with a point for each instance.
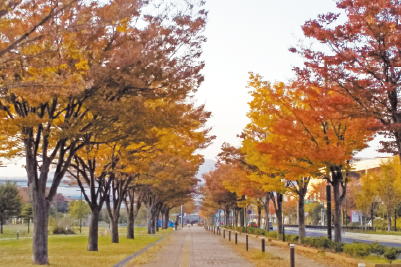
(114, 230)
(266, 208)
(1, 226)
(40, 232)
(337, 211)
(372, 216)
(388, 221)
(166, 218)
(226, 216)
(235, 217)
(93, 231)
(130, 221)
(259, 215)
(242, 217)
(157, 221)
(279, 212)
(149, 217)
(301, 215)
(29, 220)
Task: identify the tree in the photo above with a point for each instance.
(360, 60)
(71, 78)
(366, 196)
(388, 185)
(27, 213)
(10, 202)
(79, 209)
(306, 135)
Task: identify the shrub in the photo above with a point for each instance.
(378, 249)
(359, 250)
(391, 254)
(62, 231)
(337, 247)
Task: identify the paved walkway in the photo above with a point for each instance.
(196, 247)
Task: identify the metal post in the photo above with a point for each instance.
(229, 235)
(263, 244)
(236, 238)
(292, 255)
(224, 233)
(328, 194)
(246, 242)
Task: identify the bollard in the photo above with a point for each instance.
(236, 238)
(229, 235)
(263, 244)
(246, 242)
(292, 255)
(361, 265)
(224, 233)
(17, 234)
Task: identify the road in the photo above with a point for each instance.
(349, 237)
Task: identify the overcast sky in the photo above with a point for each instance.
(244, 36)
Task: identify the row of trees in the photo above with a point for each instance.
(310, 127)
(100, 92)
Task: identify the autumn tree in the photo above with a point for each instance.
(361, 58)
(63, 85)
(366, 197)
(387, 184)
(306, 135)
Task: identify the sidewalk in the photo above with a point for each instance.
(195, 247)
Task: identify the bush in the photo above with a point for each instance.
(391, 254)
(337, 247)
(62, 231)
(378, 249)
(358, 250)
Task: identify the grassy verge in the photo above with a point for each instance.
(71, 250)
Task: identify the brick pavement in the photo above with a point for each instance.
(196, 247)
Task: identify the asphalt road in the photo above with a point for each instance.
(316, 233)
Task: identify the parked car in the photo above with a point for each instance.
(252, 224)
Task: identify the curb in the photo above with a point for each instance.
(126, 260)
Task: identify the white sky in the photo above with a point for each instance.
(244, 36)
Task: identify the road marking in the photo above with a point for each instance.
(186, 251)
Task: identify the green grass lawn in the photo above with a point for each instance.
(71, 250)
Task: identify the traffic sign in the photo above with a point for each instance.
(219, 211)
(249, 211)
